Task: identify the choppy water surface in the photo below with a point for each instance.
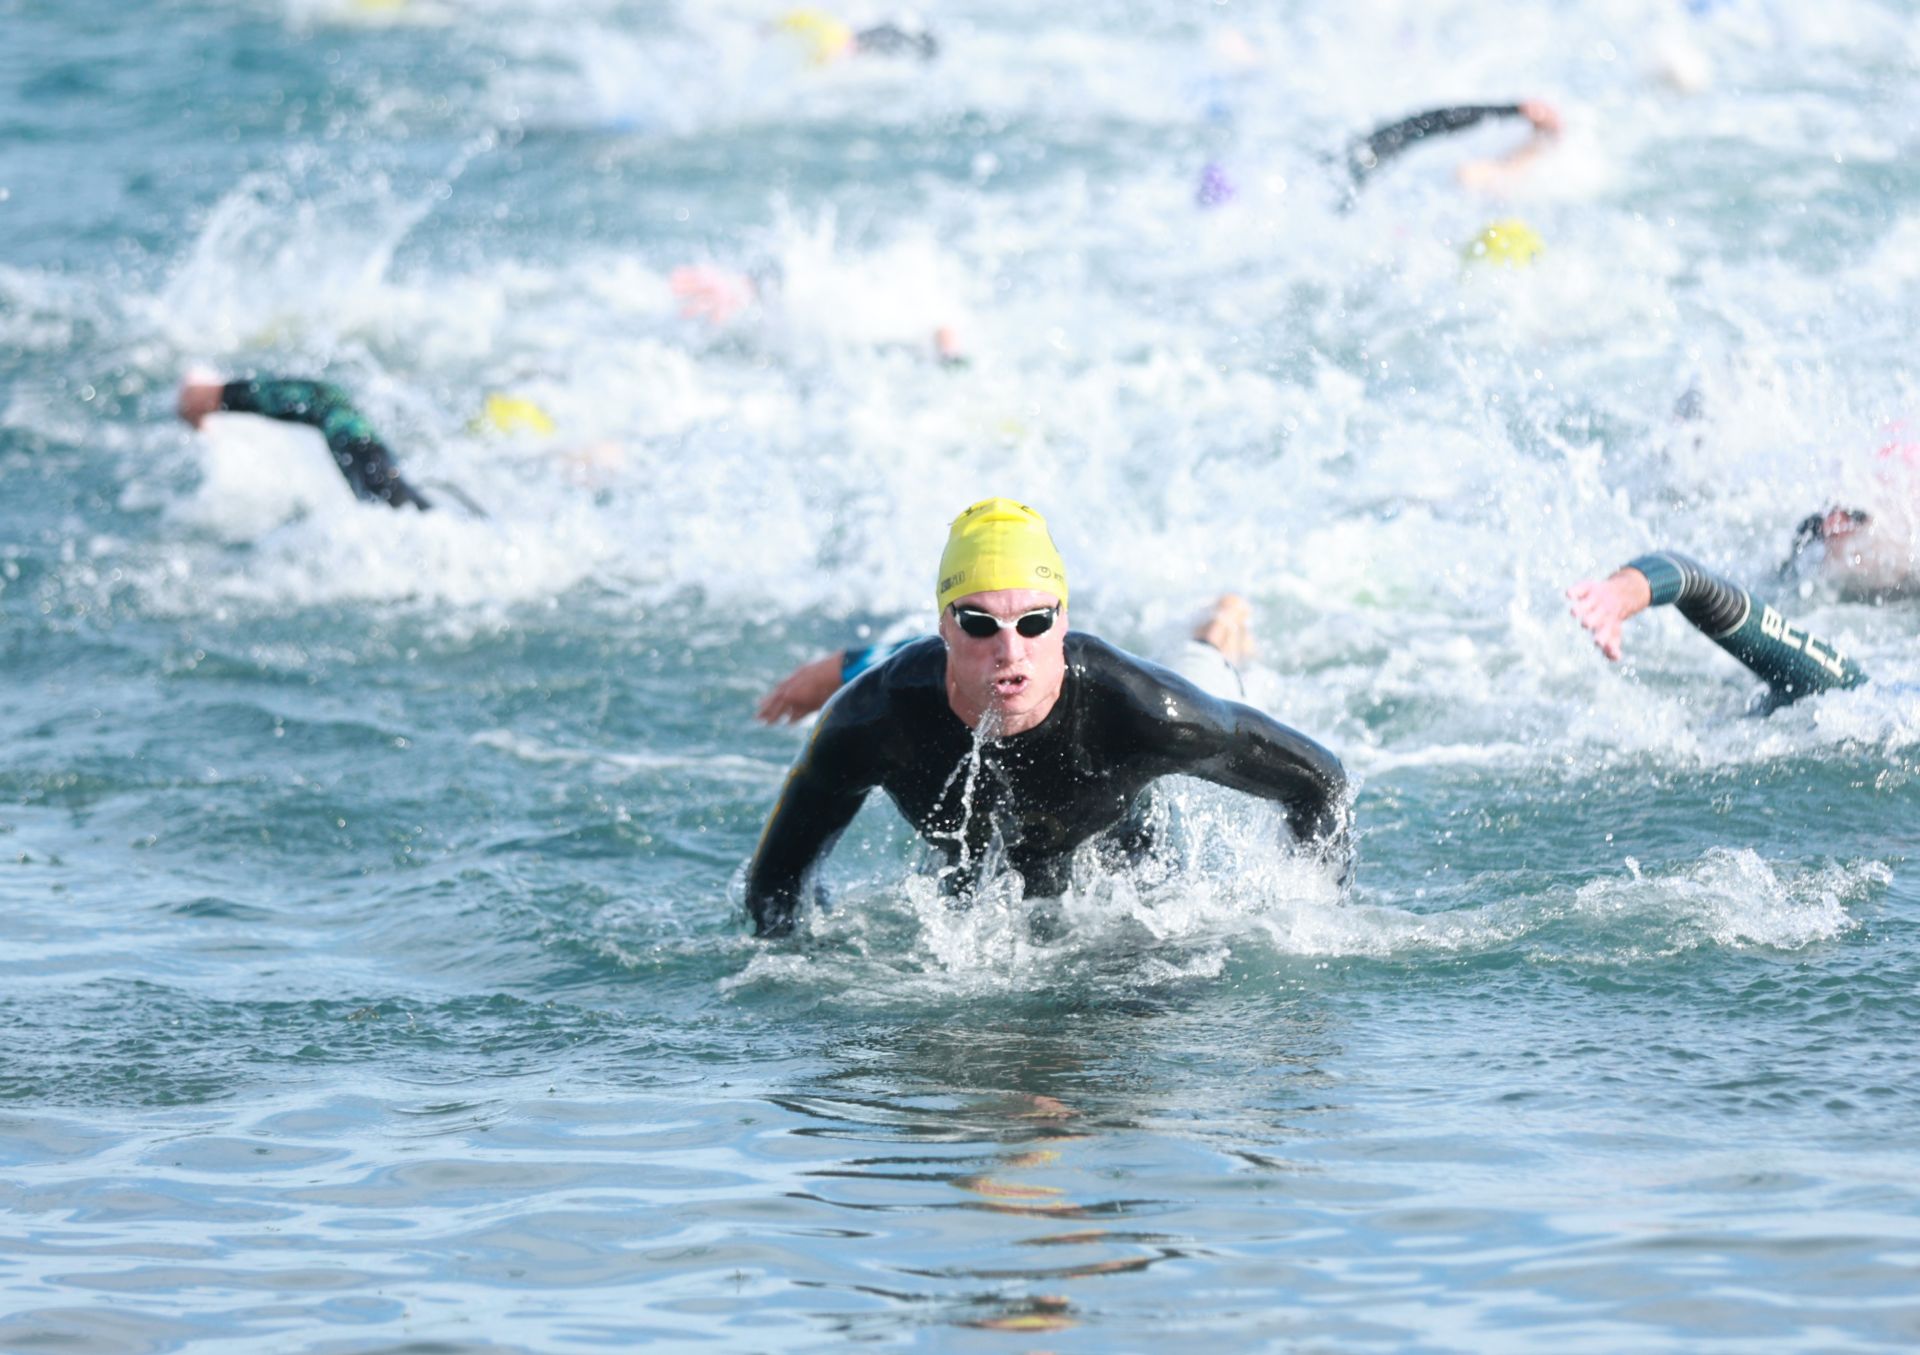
(374, 975)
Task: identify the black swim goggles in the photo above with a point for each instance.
(985, 625)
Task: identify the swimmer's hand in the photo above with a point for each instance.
(801, 692)
(1604, 605)
(710, 294)
(1543, 115)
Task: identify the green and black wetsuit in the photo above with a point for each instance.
(363, 459)
(1373, 150)
(1120, 724)
(1790, 661)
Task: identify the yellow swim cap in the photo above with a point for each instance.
(1511, 242)
(996, 544)
(514, 414)
(823, 36)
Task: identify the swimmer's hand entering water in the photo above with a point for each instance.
(1604, 605)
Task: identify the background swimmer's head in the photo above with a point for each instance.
(1511, 244)
(201, 388)
(898, 37)
(1821, 537)
(818, 34)
(510, 414)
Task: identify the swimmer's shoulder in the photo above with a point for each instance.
(1111, 678)
(899, 686)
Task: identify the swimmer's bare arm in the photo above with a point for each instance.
(811, 685)
(803, 691)
(1490, 173)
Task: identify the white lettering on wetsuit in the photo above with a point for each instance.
(1775, 627)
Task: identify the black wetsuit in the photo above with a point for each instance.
(1373, 150)
(893, 40)
(363, 459)
(1120, 723)
(1791, 662)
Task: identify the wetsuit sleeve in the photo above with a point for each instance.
(1383, 143)
(854, 662)
(822, 794)
(362, 458)
(1790, 661)
(1239, 747)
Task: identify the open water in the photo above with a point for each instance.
(373, 974)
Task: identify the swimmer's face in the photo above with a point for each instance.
(1831, 542)
(1006, 682)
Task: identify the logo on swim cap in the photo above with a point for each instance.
(996, 544)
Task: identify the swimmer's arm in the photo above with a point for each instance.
(363, 459)
(1790, 661)
(811, 685)
(1245, 750)
(1382, 144)
(823, 792)
(313, 403)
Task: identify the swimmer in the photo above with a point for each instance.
(1006, 729)
(1368, 153)
(896, 39)
(826, 39)
(362, 458)
(1868, 555)
(1792, 662)
(1863, 554)
(716, 294)
(1218, 185)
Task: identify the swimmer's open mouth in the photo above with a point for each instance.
(1009, 686)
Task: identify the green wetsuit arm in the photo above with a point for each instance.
(823, 792)
(362, 458)
(1790, 661)
(1373, 150)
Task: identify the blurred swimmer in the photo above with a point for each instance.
(1865, 557)
(1868, 552)
(1507, 244)
(1792, 662)
(1366, 155)
(714, 294)
(362, 458)
(711, 294)
(1369, 153)
(1006, 734)
(518, 417)
(896, 39)
(826, 39)
(947, 349)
